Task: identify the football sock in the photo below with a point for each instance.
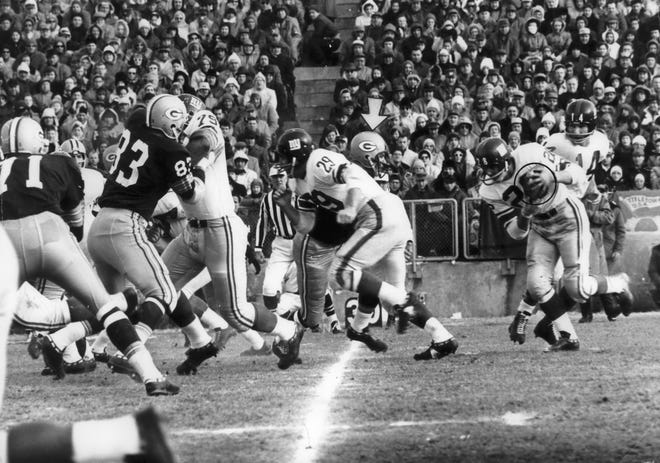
(614, 284)
(563, 323)
(140, 359)
(438, 332)
(284, 329)
(69, 334)
(39, 443)
(196, 334)
(101, 440)
(213, 320)
(524, 308)
(254, 338)
(392, 295)
(101, 342)
(71, 354)
(361, 320)
(143, 331)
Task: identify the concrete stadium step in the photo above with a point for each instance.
(316, 73)
(308, 87)
(310, 113)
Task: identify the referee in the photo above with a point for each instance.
(272, 217)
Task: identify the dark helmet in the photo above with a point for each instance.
(580, 113)
(493, 159)
(294, 147)
(193, 103)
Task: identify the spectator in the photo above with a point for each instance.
(244, 176)
(321, 40)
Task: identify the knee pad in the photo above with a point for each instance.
(183, 314)
(271, 302)
(368, 301)
(150, 312)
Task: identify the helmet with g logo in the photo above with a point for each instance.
(365, 149)
(168, 114)
(76, 149)
(23, 135)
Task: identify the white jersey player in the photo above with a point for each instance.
(381, 232)
(217, 238)
(581, 144)
(555, 224)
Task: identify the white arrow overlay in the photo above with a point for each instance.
(373, 117)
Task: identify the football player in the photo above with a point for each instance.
(583, 145)
(378, 235)
(134, 436)
(216, 237)
(529, 191)
(41, 206)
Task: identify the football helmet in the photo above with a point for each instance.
(493, 159)
(366, 148)
(168, 114)
(294, 147)
(76, 149)
(205, 119)
(580, 113)
(23, 135)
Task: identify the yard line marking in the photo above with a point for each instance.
(316, 424)
(508, 419)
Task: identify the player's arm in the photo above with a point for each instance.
(188, 183)
(261, 228)
(73, 204)
(302, 215)
(515, 223)
(355, 199)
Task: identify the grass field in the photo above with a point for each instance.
(491, 402)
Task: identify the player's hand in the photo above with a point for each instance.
(282, 196)
(616, 256)
(346, 216)
(259, 255)
(154, 232)
(408, 251)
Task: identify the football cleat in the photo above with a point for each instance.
(626, 298)
(52, 357)
(438, 350)
(120, 364)
(545, 331)
(364, 337)
(288, 351)
(102, 357)
(222, 337)
(161, 387)
(81, 366)
(195, 358)
(34, 345)
(586, 319)
(153, 443)
(252, 352)
(518, 328)
(316, 329)
(335, 327)
(564, 344)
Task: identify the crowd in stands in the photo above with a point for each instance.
(454, 72)
(450, 73)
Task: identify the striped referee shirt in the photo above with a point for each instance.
(272, 215)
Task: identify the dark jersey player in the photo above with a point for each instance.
(41, 203)
(150, 161)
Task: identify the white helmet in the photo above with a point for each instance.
(205, 119)
(168, 114)
(23, 135)
(74, 148)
